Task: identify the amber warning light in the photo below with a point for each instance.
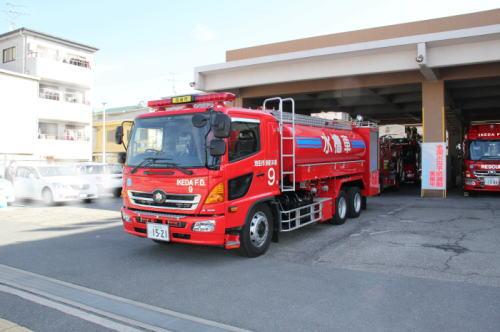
(192, 99)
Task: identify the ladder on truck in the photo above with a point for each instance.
(289, 118)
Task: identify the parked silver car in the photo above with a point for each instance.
(106, 177)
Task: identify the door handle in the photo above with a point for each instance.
(260, 174)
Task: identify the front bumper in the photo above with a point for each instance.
(478, 184)
(180, 227)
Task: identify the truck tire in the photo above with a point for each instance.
(47, 196)
(340, 216)
(364, 202)
(256, 235)
(354, 202)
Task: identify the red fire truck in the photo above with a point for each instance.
(481, 155)
(390, 163)
(201, 172)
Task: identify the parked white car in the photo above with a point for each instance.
(6, 191)
(106, 177)
(52, 183)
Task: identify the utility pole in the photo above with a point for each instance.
(104, 132)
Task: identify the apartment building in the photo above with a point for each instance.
(48, 84)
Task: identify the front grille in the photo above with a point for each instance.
(172, 201)
(487, 173)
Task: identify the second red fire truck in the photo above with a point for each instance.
(199, 171)
(481, 155)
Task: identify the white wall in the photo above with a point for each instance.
(18, 120)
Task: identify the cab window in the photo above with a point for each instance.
(244, 140)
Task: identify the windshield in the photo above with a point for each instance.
(484, 150)
(170, 138)
(56, 171)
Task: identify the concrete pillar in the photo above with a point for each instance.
(433, 121)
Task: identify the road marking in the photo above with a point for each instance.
(112, 308)
(68, 310)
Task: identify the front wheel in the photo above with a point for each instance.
(340, 216)
(255, 237)
(47, 196)
(117, 192)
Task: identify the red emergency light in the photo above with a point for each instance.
(192, 99)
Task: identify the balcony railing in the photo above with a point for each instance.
(80, 138)
(69, 98)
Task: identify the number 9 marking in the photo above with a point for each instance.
(271, 176)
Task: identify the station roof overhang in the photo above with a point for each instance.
(379, 79)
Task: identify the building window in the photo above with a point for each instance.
(74, 133)
(110, 135)
(77, 60)
(47, 130)
(9, 54)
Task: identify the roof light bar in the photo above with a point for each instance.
(192, 99)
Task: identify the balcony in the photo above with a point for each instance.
(67, 72)
(64, 111)
(61, 149)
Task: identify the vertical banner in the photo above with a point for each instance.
(434, 165)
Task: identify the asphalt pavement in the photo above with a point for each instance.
(406, 264)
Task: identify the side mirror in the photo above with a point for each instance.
(221, 125)
(199, 120)
(217, 147)
(119, 135)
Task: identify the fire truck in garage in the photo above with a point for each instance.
(390, 163)
(481, 155)
(199, 171)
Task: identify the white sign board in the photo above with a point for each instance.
(434, 165)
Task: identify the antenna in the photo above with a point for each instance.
(13, 12)
(173, 80)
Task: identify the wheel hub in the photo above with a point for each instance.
(259, 229)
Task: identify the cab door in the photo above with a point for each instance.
(251, 168)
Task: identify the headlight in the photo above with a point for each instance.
(126, 217)
(204, 226)
(470, 182)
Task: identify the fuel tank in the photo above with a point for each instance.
(323, 145)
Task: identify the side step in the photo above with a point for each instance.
(302, 216)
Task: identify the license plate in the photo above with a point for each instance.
(492, 181)
(158, 232)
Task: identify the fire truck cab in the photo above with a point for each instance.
(481, 155)
(201, 172)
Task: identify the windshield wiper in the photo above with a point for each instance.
(163, 161)
(145, 162)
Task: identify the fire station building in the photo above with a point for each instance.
(442, 73)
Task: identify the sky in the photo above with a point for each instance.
(148, 49)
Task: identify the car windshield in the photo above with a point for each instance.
(170, 139)
(115, 169)
(56, 171)
(484, 150)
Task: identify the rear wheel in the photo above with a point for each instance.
(354, 202)
(47, 196)
(340, 216)
(256, 235)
